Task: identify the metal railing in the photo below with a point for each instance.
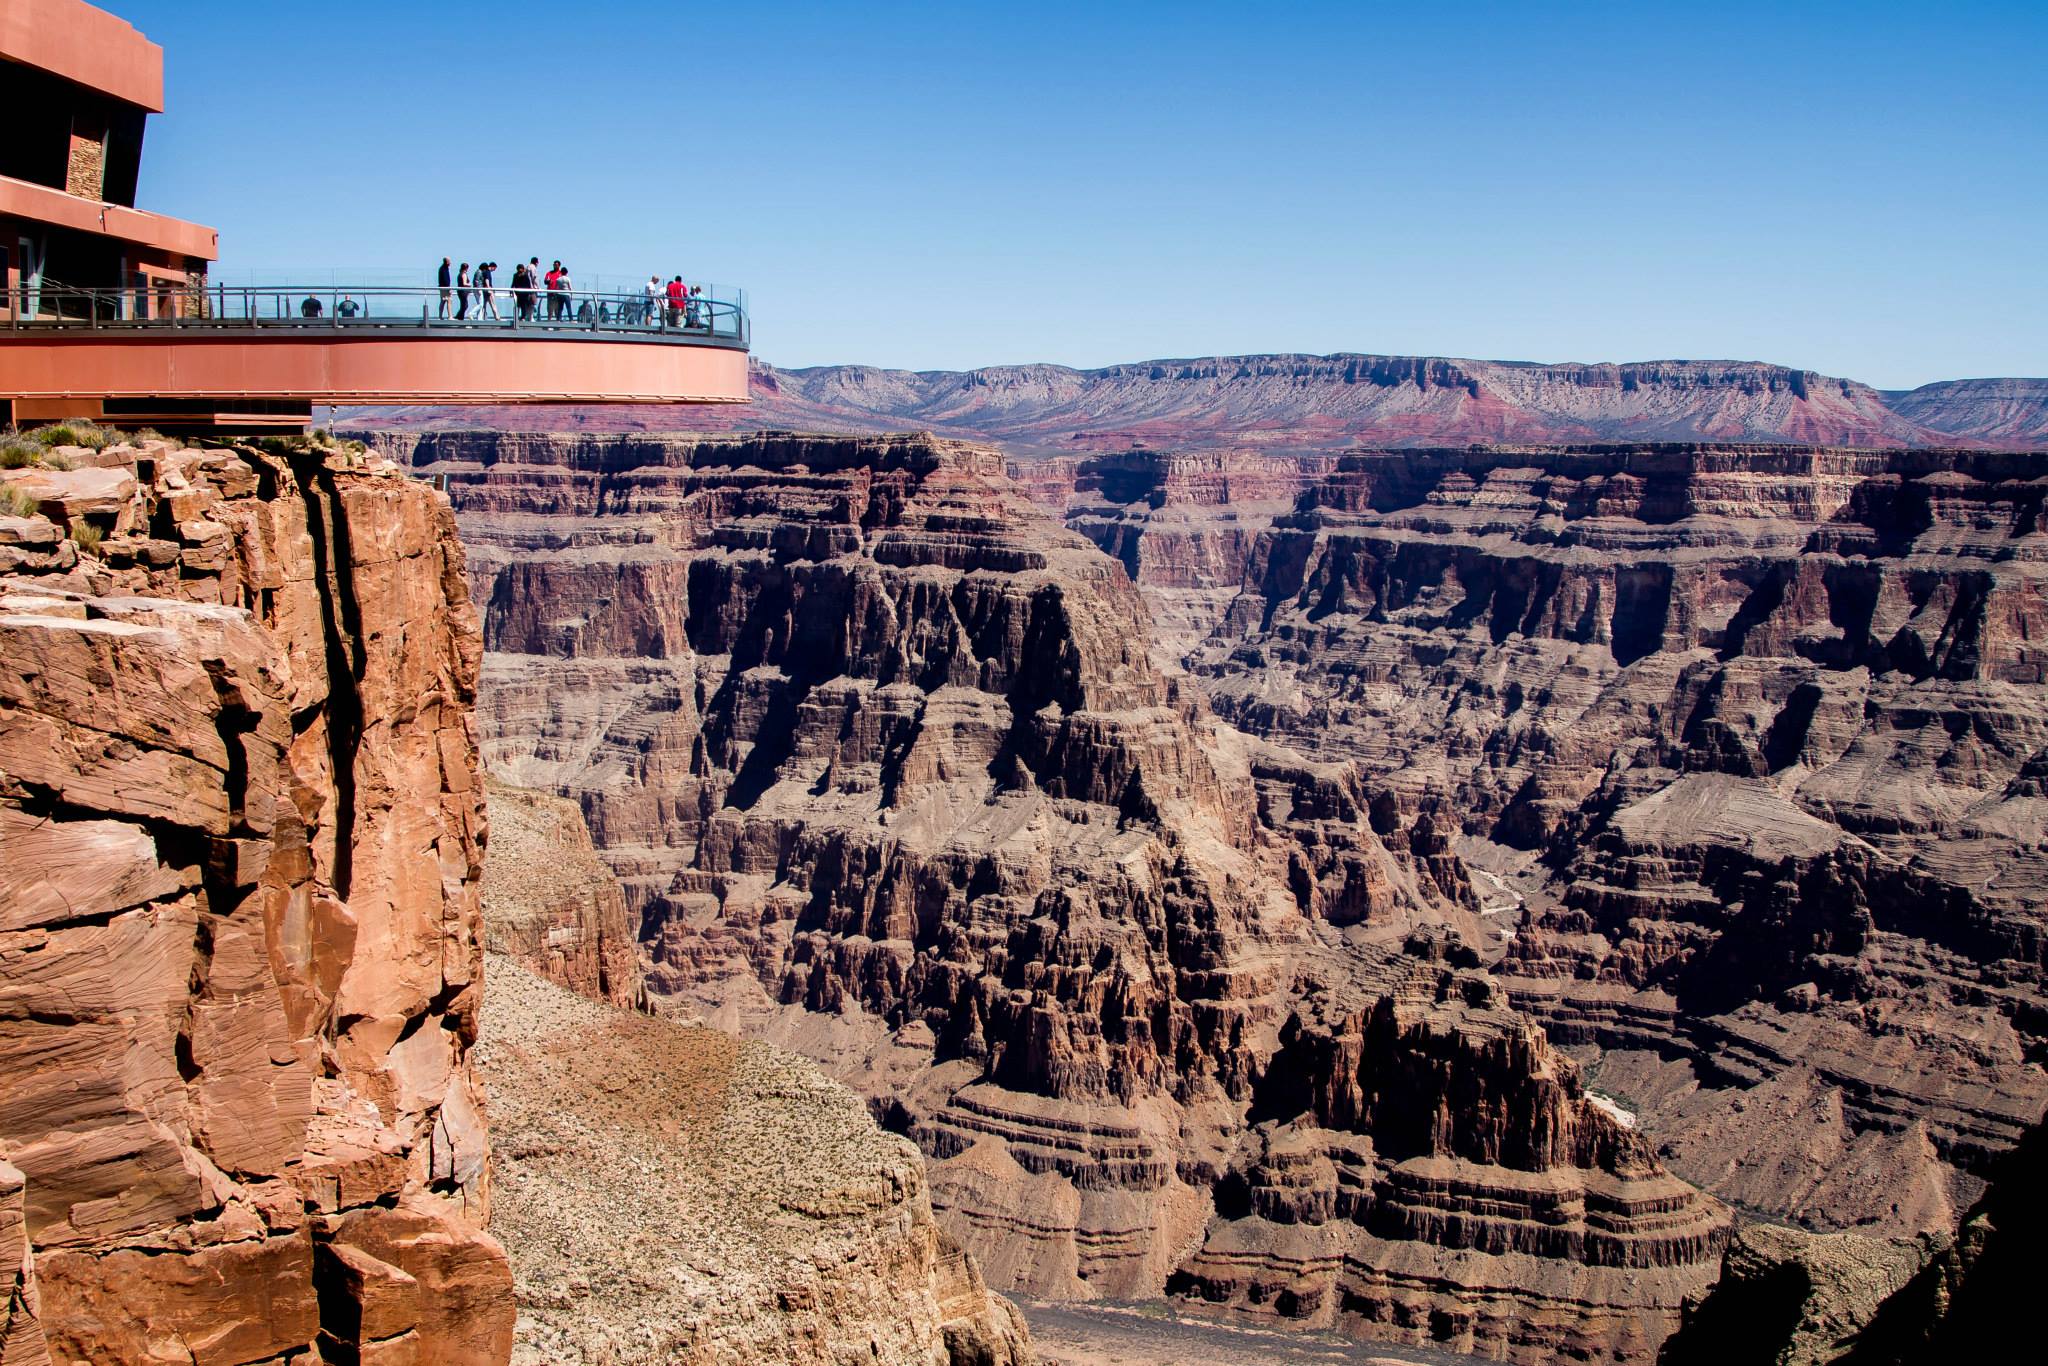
(331, 307)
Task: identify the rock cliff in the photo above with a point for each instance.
(240, 947)
(890, 773)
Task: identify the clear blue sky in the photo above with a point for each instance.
(1858, 189)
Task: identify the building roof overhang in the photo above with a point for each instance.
(96, 49)
(40, 203)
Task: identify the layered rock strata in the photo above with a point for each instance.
(670, 1193)
(889, 773)
(240, 947)
(1741, 749)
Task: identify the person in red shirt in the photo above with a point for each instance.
(676, 295)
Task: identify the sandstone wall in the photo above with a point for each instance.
(240, 949)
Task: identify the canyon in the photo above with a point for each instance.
(1295, 403)
(1434, 894)
(1531, 901)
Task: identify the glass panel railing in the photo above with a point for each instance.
(671, 311)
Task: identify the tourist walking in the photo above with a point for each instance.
(653, 305)
(462, 293)
(488, 277)
(445, 282)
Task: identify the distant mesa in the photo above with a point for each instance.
(1288, 404)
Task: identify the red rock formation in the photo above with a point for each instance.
(889, 773)
(240, 945)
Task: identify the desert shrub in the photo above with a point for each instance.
(53, 461)
(87, 536)
(15, 503)
(74, 431)
(15, 455)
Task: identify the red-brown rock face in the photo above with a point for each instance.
(889, 774)
(1742, 750)
(239, 932)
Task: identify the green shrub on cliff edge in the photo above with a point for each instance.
(72, 432)
(87, 536)
(15, 455)
(15, 503)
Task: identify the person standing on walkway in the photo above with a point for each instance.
(488, 273)
(554, 278)
(445, 282)
(563, 285)
(533, 284)
(653, 300)
(676, 295)
(522, 292)
(462, 293)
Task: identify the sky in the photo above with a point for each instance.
(1856, 189)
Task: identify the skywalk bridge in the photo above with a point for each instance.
(263, 355)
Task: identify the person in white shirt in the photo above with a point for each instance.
(653, 300)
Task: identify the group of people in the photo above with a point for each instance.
(673, 305)
(528, 285)
(680, 305)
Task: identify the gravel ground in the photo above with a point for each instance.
(672, 1194)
